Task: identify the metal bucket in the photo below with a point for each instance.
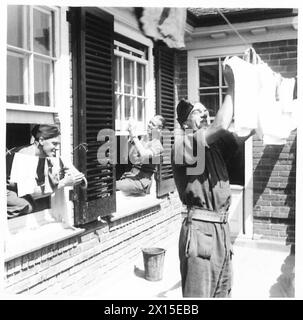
(153, 263)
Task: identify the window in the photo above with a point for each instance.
(212, 87)
(117, 82)
(31, 55)
(130, 85)
(33, 94)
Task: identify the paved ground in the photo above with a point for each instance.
(262, 270)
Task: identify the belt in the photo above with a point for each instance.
(206, 215)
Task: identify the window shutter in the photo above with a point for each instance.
(165, 102)
(93, 98)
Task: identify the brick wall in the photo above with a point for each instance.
(275, 166)
(69, 266)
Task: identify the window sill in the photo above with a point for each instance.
(128, 205)
(126, 133)
(32, 240)
(30, 116)
(22, 107)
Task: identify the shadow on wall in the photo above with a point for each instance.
(285, 285)
(263, 171)
(274, 190)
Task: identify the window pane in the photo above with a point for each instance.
(42, 32)
(17, 26)
(118, 106)
(141, 79)
(128, 76)
(42, 73)
(117, 74)
(209, 74)
(210, 98)
(15, 86)
(141, 109)
(129, 107)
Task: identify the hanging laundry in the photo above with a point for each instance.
(173, 28)
(263, 100)
(150, 22)
(166, 24)
(246, 95)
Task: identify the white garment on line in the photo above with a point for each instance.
(263, 101)
(246, 95)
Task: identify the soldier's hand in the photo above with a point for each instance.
(73, 178)
(228, 76)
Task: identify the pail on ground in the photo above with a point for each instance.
(153, 263)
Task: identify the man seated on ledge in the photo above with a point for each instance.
(144, 155)
(35, 171)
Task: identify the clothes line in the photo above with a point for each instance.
(232, 27)
(263, 100)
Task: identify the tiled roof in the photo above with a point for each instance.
(198, 12)
(199, 17)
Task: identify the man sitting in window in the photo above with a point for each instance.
(34, 171)
(144, 155)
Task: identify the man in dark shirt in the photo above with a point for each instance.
(201, 153)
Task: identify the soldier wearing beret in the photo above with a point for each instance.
(43, 152)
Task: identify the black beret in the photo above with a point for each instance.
(184, 108)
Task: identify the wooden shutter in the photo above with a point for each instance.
(165, 102)
(93, 99)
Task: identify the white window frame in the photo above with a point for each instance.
(29, 54)
(126, 24)
(30, 232)
(220, 87)
(194, 56)
(137, 57)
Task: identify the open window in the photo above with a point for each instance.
(131, 67)
(32, 54)
(19, 135)
(113, 81)
(35, 94)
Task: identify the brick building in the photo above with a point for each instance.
(81, 235)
